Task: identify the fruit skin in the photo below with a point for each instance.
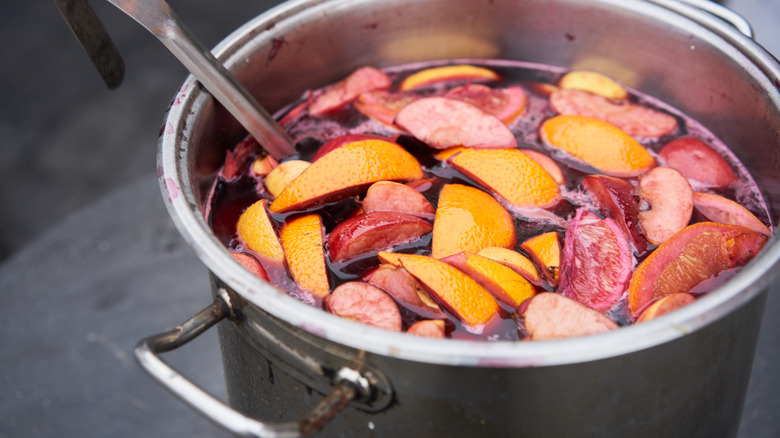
(442, 123)
(432, 328)
(545, 249)
(283, 174)
(593, 82)
(597, 262)
(254, 227)
(505, 103)
(697, 161)
(251, 264)
(719, 209)
(303, 247)
(665, 305)
(697, 253)
(405, 289)
(365, 304)
(369, 232)
(382, 105)
(468, 219)
(360, 81)
(513, 259)
(238, 158)
(447, 73)
(614, 196)
(392, 196)
(503, 282)
(346, 171)
(670, 199)
(548, 164)
(552, 316)
(335, 143)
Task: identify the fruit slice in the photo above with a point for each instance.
(445, 154)
(391, 258)
(431, 328)
(392, 196)
(448, 73)
(469, 219)
(442, 123)
(405, 289)
(504, 283)
(504, 103)
(593, 82)
(283, 174)
(346, 171)
(597, 262)
(719, 209)
(697, 161)
(460, 294)
(552, 316)
(614, 196)
(510, 174)
(342, 140)
(369, 232)
(598, 144)
(303, 246)
(545, 249)
(695, 254)
(365, 304)
(666, 203)
(262, 166)
(251, 264)
(548, 164)
(636, 120)
(665, 305)
(382, 105)
(240, 156)
(513, 259)
(255, 229)
(360, 81)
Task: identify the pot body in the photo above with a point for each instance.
(682, 375)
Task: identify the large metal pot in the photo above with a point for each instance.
(682, 375)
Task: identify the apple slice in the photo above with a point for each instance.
(262, 166)
(303, 247)
(697, 161)
(405, 290)
(552, 316)
(468, 219)
(511, 175)
(431, 328)
(614, 196)
(365, 304)
(598, 144)
(545, 249)
(346, 171)
(719, 209)
(668, 199)
(283, 174)
(504, 103)
(504, 283)
(369, 232)
(382, 105)
(513, 259)
(254, 227)
(665, 305)
(448, 73)
(593, 82)
(251, 264)
(442, 123)
(392, 196)
(360, 81)
(597, 262)
(695, 254)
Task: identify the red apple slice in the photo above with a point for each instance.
(697, 161)
(665, 305)
(552, 316)
(392, 196)
(360, 81)
(719, 209)
(382, 105)
(365, 304)
(667, 203)
(375, 231)
(251, 264)
(406, 290)
(431, 328)
(614, 196)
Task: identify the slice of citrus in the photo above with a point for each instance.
(345, 171)
(593, 82)
(448, 73)
(468, 219)
(303, 246)
(513, 259)
(546, 250)
(383, 105)
(502, 281)
(254, 227)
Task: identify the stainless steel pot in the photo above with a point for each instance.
(682, 375)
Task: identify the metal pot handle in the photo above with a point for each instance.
(724, 13)
(349, 386)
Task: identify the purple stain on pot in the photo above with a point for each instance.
(172, 188)
(276, 45)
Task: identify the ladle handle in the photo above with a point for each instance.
(148, 349)
(158, 18)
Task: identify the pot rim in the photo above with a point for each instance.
(181, 203)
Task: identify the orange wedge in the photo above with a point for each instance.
(513, 259)
(345, 171)
(469, 219)
(303, 245)
(599, 144)
(391, 258)
(593, 82)
(254, 227)
(546, 250)
(445, 154)
(503, 282)
(510, 174)
(449, 73)
(456, 291)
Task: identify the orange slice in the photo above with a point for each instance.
(510, 174)
(449, 73)
(599, 144)
(513, 259)
(303, 245)
(503, 282)
(593, 82)
(345, 171)
(469, 219)
(456, 291)
(254, 227)
(546, 250)
(445, 154)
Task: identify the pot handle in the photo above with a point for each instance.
(724, 13)
(350, 385)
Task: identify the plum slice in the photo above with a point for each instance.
(552, 316)
(597, 262)
(666, 203)
(369, 232)
(695, 254)
(697, 161)
(365, 304)
(405, 289)
(614, 196)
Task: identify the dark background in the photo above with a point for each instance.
(83, 231)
